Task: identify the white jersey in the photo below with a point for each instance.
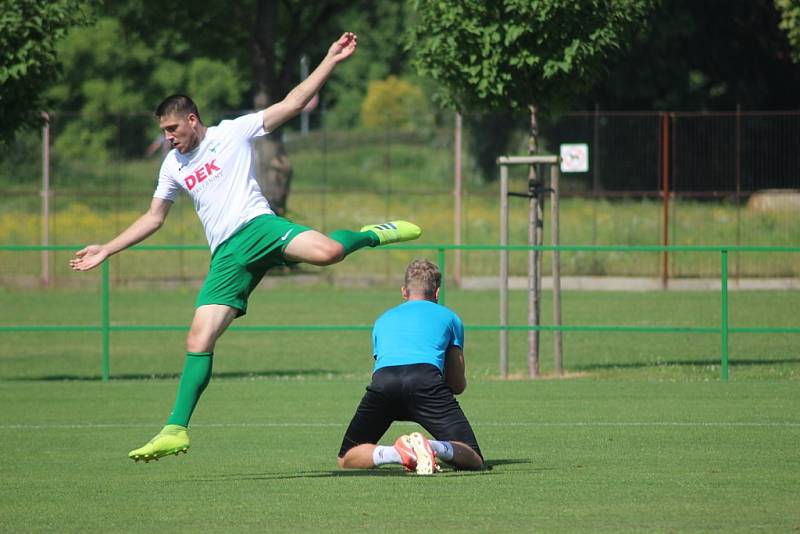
(220, 176)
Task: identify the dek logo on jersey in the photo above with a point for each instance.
(200, 174)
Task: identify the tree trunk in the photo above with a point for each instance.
(275, 73)
(274, 172)
(535, 237)
(273, 168)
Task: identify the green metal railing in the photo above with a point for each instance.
(723, 330)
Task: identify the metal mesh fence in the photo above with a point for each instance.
(654, 178)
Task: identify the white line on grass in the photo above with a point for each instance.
(82, 426)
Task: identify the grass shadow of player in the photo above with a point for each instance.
(277, 373)
(750, 362)
(386, 471)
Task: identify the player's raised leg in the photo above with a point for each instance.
(318, 249)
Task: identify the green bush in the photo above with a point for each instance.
(394, 103)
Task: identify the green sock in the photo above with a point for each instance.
(352, 241)
(195, 378)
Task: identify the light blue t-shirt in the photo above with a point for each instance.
(417, 331)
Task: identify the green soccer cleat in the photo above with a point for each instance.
(394, 231)
(173, 439)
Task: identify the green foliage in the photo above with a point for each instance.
(688, 57)
(503, 54)
(109, 72)
(222, 55)
(380, 54)
(393, 103)
(790, 23)
(20, 162)
(29, 33)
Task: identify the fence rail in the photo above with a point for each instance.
(724, 329)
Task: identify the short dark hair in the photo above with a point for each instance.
(180, 105)
(422, 277)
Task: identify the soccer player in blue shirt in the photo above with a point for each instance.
(419, 368)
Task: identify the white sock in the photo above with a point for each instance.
(385, 455)
(444, 449)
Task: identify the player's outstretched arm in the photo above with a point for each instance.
(296, 100)
(455, 369)
(145, 226)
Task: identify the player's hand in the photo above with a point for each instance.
(344, 47)
(88, 258)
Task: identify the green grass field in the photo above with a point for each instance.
(643, 437)
(616, 355)
(564, 456)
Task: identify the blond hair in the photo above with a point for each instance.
(422, 278)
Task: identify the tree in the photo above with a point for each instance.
(110, 70)
(283, 32)
(503, 54)
(711, 55)
(29, 32)
(264, 39)
(381, 54)
(790, 23)
(520, 54)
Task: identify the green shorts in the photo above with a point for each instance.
(239, 263)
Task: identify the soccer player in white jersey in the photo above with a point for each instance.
(216, 167)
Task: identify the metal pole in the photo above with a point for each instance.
(665, 155)
(503, 271)
(45, 269)
(457, 193)
(738, 187)
(558, 347)
(105, 321)
(304, 114)
(443, 270)
(595, 182)
(724, 314)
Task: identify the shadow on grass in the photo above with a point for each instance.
(686, 363)
(329, 373)
(393, 471)
(280, 373)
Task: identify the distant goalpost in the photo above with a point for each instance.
(537, 190)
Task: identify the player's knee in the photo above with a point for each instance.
(329, 252)
(199, 340)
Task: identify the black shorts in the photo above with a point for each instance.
(415, 393)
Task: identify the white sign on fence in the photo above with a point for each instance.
(574, 157)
